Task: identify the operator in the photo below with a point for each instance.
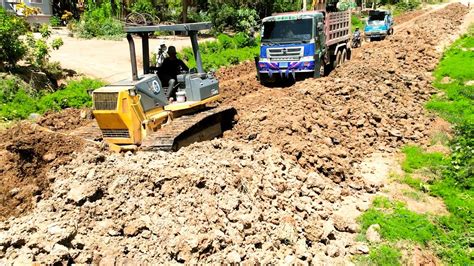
(172, 66)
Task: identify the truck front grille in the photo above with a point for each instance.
(105, 100)
(285, 53)
(115, 133)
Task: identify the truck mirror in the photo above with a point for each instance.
(320, 25)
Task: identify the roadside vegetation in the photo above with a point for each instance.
(28, 80)
(225, 51)
(449, 177)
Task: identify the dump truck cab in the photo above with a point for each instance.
(130, 110)
(302, 44)
(289, 43)
(378, 25)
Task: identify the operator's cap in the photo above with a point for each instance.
(171, 50)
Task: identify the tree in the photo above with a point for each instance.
(12, 49)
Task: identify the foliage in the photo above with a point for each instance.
(404, 6)
(12, 48)
(45, 31)
(16, 43)
(97, 21)
(55, 21)
(416, 159)
(447, 235)
(28, 10)
(399, 223)
(56, 43)
(357, 22)
(225, 16)
(67, 16)
(383, 255)
(144, 6)
(457, 106)
(223, 52)
(17, 101)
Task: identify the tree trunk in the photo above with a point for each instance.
(185, 10)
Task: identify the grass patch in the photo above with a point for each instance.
(18, 101)
(398, 223)
(384, 255)
(457, 102)
(416, 159)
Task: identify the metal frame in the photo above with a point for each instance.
(144, 32)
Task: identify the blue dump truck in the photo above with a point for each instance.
(379, 24)
(303, 44)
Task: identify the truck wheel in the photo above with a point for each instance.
(337, 60)
(343, 56)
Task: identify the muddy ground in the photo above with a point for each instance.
(282, 186)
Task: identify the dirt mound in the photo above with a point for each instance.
(27, 153)
(211, 201)
(371, 103)
(66, 120)
(237, 81)
(408, 16)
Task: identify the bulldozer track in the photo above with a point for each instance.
(187, 129)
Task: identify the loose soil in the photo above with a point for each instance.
(275, 189)
(27, 153)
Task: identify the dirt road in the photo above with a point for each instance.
(283, 186)
(106, 59)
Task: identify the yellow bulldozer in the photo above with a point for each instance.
(142, 113)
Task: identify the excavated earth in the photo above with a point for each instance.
(279, 187)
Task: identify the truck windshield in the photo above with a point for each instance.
(287, 30)
(375, 22)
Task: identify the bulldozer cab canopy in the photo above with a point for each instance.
(144, 32)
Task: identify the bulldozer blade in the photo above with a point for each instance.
(188, 129)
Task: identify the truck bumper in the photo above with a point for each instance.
(375, 34)
(284, 69)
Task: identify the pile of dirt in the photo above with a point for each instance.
(212, 201)
(237, 81)
(27, 153)
(371, 103)
(66, 120)
(408, 16)
(270, 192)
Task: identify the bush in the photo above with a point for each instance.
(54, 21)
(407, 6)
(225, 16)
(98, 21)
(16, 101)
(223, 52)
(144, 6)
(12, 49)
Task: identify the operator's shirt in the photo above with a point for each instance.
(173, 67)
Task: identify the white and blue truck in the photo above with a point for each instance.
(303, 44)
(379, 24)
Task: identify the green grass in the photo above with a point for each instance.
(383, 255)
(17, 102)
(398, 223)
(417, 159)
(457, 102)
(450, 236)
